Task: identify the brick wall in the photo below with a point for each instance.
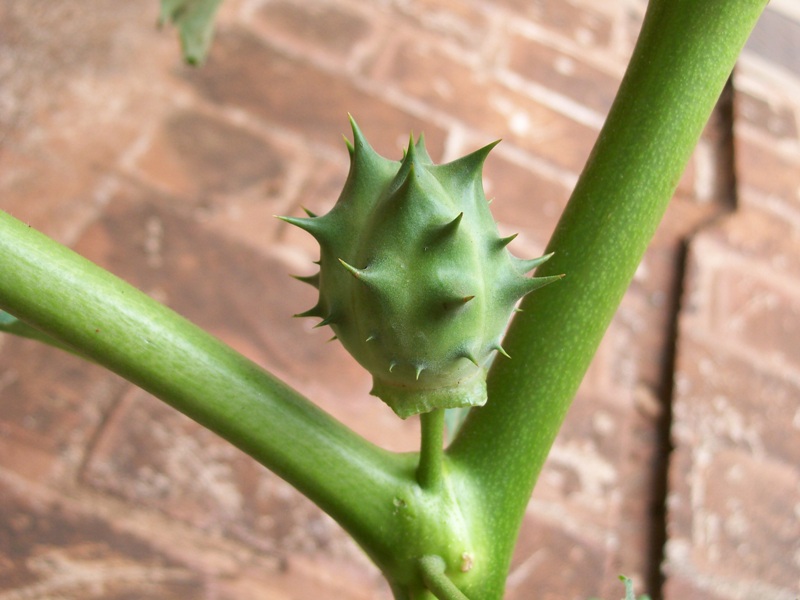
(734, 499)
(169, 176)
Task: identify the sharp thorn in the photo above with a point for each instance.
(314, 311)
(332, 339)
(331, 318)
(409, 153)
(503, 242)
(457, 302)
(470, 357)
(309, 225)
(471, 163)
(534, 283)
(371, 337)
(309, 279)
(358, 137)
(527, 266)
(452, 226)
(525, 285)
(500, 350)
(447, 230)
(308, 212)
(418, 372)
(392, 365)
(422, 152)
(357, 273)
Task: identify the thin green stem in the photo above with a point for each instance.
(431, 454)
(685, 53)
(12, 325)
(86, 308)
(433, 572)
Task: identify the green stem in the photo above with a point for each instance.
(86, 308)
(12, 325)
(429, 470)
(684, 55)
(432, 570)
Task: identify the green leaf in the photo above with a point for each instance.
(195, 22)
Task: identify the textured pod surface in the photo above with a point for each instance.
(415, 280)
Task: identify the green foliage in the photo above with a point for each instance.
(195, 22)
(415, 280)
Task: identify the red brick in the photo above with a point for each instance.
(56, 204)
(291, 94)
(734, 479)
(570, 76)
(755, 310)
(153, 456)
(775, 120)
(429, 75)
(51, 405)
(581, 475)
(328, 29)
(52, 550)
(757, 313)
(594, 485)
(70, 108)
(109, 36)
(744, 527)
(776, 41)
(645, 309)
(752, 506)
(200, 157)
(523, 201)
(765, 168)
(467, 23)
(318, 194)
(554, 564)
(678, 587)
(54, 547)
(586, 26)
(754, 237)
(730, 400)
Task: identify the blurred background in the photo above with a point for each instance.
(678, 463)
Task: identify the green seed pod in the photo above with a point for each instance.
(415, 280)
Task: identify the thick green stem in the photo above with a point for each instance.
(685, 53)
(88, 309)
(429, 470)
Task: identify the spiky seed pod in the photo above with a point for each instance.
(415, 280)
